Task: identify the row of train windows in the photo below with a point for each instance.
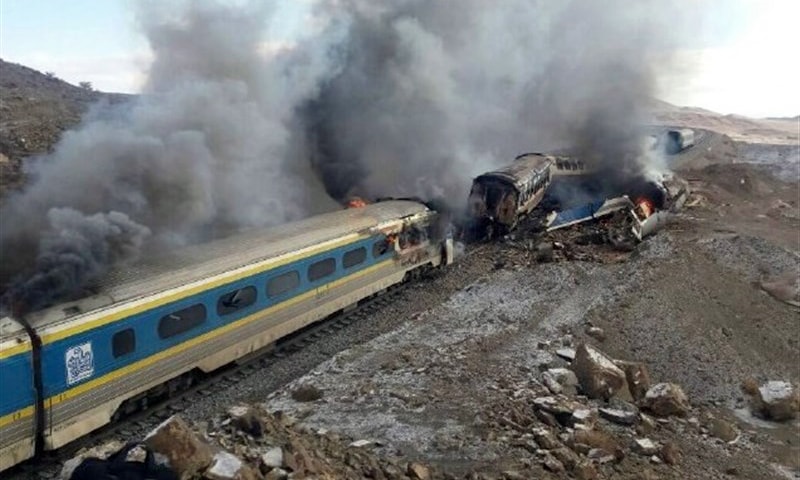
(124, 341)
(534, 187)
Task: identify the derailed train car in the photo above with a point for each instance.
(153, 327)
(498, 199)
(678, 140)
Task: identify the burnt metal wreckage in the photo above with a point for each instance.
(619, 221)
(500, 199)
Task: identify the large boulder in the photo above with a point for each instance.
(777, 400)
(665, 399)
(187, 455)
(597, 374)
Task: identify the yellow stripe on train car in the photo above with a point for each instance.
(186, 291)
(146, 362)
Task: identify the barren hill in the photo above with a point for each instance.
(35, 108)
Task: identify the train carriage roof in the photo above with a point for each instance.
(154, 274)
(521, 170)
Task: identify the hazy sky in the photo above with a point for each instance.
(743, 58)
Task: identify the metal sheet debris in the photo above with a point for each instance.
(588, 212)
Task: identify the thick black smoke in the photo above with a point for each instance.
(429, 94)
(74, 250)
(204, 151)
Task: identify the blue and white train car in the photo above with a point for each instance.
(199, 308)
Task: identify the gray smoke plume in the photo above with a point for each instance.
(377, 98)
(205, 150)
(74, 250)
(429, 94)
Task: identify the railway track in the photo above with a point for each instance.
(145, 419)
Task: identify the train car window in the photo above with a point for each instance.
(123, 342)
(380, 248)
(321, 269)
(181, 321)
(236, 300)
(354, 257)
(283, 283)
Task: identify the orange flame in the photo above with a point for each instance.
(645, 207)
(356, 202)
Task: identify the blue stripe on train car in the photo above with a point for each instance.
(98, 360)
(16, 380)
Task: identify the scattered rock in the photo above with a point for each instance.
(620, 417)
(750, 386)
(547, 418)
(637, 377)
(363, 443)
(600, 456)
(646, 425)
(645, 446)
(552, 464)
(785, 287)
(777, 400)
(596, 373)
(306, 393)
(670, 453)
(226, 466)
(723, 430)
(551, 384)
(665, 399)
(567, 354)
(277, 474)
(597, 333)
(187, 455)
(298, 459)
(583, 416)
(563, 377)
(418, 471)
(567, 457)
(273, 458)
(545, 439)
(585, 471)
(247, 420)
(598, 439)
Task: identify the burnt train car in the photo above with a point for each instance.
(498, 199)
(155, 325)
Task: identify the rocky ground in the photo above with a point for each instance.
(660, 362)
(472, 373)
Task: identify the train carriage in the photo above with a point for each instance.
(18, 395)
(154, 323)
(498, 199)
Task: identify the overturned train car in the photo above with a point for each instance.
(500, 198)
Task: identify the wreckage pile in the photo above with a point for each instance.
(603, 231)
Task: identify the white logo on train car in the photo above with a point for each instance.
(80, 363)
